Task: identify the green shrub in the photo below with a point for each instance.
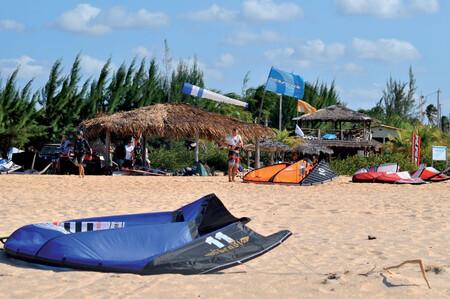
(172, 157)
(176, 155)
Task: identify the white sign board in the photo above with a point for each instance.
(439, 153)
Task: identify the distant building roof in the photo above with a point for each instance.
(335, 113)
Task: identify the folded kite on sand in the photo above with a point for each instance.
(200, 237)
(390, 173)
(301, 172)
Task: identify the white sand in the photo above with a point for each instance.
(330, 225)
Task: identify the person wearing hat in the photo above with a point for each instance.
(81, 148)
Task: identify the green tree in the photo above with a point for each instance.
(431, 112)
(18, 114)
(62, 100)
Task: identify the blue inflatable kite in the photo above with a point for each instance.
(200, 237)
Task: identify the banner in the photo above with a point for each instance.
(207, 94)
(415, 149)
(304, 107)
(285, 83)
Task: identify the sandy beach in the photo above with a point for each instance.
(325, 257)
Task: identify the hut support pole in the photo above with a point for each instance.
(108, 149)
(197, 139)
(257, 154)
(364, 131)
(144, 151)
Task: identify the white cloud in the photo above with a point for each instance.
(82, 19)
(387, 50)
(286, 57)
(352, 68)
(118, 17)
(387, 8)
(11, 25)
(213, 13)
(142, 52)
(426, 6)
(225, 60)
(308, 53)
(317, 50)
(246, 37)
(28, 67)
(92, 66)
(268, 10)
(85, 18)
(279, 53)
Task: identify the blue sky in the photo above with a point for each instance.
(357, 43)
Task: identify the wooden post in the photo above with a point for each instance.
(108, 161)
(340, 129)
(257, 154)
(144, 151)
(370, 130)
(364, 131)
(196, 147)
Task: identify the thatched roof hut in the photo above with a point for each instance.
(269, 146)
(335, 113)
(173, 121)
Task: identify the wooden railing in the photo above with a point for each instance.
(344, 135)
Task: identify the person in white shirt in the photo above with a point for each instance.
(235, 143)
(129, 152)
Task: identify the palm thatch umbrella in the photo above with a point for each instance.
(269, 146)
(335, 113)
(173, 120)
(313, 149)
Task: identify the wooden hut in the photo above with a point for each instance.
(347, 141)
(172, 120)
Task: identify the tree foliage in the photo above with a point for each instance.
(67, 98)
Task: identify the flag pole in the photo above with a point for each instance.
(280, 120)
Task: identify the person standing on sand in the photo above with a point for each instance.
(129, 154)
(235, 143)
(81, 148)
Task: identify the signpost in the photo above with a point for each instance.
(439, 153)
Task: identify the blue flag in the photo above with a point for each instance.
(285, 83)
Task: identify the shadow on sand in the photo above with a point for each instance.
(392, 285)
(5, 259)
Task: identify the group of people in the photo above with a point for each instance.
(76, 151)
(128, 154)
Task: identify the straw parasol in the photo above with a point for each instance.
(313, 149)
(269, 146)
(173, 121)
(335, 113)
